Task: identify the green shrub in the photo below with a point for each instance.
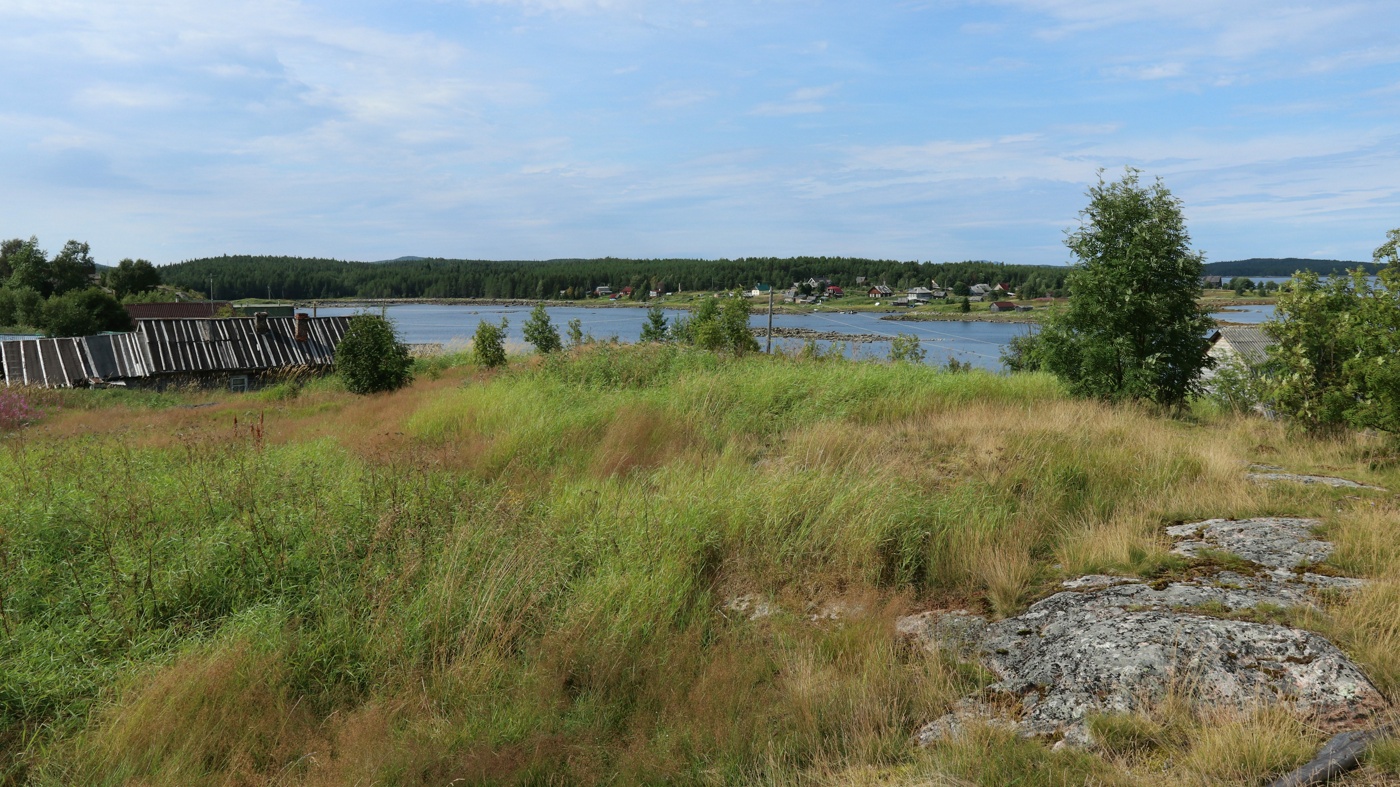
(371, 358)
(540, 331)
(489, 343)
(905, 348)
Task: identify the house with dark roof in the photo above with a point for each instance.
(880, 291)
(1002, 306)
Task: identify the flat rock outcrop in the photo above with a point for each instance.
(1268, 474)
(1118, 644)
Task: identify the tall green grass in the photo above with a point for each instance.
(522, 577)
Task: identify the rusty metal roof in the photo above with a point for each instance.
(176, 310)
(156, 347)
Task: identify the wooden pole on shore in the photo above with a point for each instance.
(770, 320)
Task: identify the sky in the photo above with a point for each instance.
(534, 129)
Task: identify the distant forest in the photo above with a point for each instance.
(1273, 266)
(301, 278)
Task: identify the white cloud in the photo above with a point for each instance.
(803, 101)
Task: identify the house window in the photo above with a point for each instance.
(238, 383)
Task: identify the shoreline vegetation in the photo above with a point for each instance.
(621, 564)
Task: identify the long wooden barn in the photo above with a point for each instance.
(236, 351)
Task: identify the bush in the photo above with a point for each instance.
(1021, 353)
(489, 344)
(371, 358)
(540, 331)
(83, 313)
(906, 348)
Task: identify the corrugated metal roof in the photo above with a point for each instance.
(1247, 341)
(175, 310)
(49, 363)
(172, 347)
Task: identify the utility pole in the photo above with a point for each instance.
(211, 292)
(770, 320)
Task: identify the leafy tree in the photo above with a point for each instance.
(73, 268)
(29, 267)
(906, 348)
(654, 330)
(1021, 353)
(489, 343)
(734, 327)
(965, 306)
(29, 307)
(7, 306)
(540, 331)
(133, 277)
(575, 333)
(370, 357)
(83, 313)
(1241, 285)
(1336, 360)
(8, 249)
(1132, 329)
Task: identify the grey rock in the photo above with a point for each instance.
(1117, 645)
(1074, 653)
(958, 633)
(1342, 483)
(1278, 542)
(1094, 582)
(752, 607)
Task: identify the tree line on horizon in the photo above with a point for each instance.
(299, 278)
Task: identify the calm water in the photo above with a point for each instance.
(1249, 314)
(978, 343)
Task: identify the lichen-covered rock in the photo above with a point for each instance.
(1278, 542)
(958, 633)
(1079, 652)
(1342, 483)
(1118, 644)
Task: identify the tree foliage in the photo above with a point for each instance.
(906, 348)
(1336, 358)
(1132, 329)
(83, 313)
(370, 357)
(489, 343)
(569, 279)
(133, 277)
(655, 328)
(540, 331)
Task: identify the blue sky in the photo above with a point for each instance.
(527, 129)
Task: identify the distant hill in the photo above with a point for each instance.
(1281, 266)
(399, 259)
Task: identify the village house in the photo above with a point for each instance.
(920, 295)
(980, 289)
(760, 291)
(1004, 306)
(602, 291)
(880, 291)
(833, 291)
(1247, 344)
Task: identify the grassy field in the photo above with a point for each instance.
(520, 576)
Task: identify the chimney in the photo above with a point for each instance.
(260, 323)
(300, 334)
